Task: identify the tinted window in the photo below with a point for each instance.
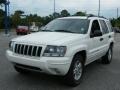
(69, 25)
(104, 27)
(95, 27)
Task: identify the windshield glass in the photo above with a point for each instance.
(68, 25)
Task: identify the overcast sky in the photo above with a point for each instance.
(45, 7)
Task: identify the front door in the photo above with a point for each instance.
(96, 42)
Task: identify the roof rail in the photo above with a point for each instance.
(102, 17)
(91, 15)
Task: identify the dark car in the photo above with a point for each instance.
(116, 29)
(22, 30)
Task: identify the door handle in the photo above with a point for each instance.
(109, 36)
(101, 39)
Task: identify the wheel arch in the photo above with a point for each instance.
(84, 55)
(112, 44)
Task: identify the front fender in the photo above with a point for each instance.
(73, 50)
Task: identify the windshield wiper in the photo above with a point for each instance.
(64, 31)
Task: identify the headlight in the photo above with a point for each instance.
(54, 51)
(11, 44)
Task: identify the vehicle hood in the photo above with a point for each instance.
(48, 38)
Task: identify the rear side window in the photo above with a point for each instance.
(104, 27)
(109, 26)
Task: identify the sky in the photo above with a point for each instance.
(46, 7)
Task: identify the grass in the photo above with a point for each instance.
(2, 30)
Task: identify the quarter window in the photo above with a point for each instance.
(109, 26)
(104, 27)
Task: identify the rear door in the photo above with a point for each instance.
(106, 35)
(111, 34)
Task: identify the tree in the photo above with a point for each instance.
(1, 12)
(2, 2)
(56, 15)
(1, 18)
(80, 14)
(65, 13)
(19, 12)
(115, 22)
(16, 18)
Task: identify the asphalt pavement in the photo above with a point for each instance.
(97, 76)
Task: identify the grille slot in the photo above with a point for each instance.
(39, 51)
(34, 51)
(28, 50)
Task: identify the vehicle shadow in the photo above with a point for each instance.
(35, 79)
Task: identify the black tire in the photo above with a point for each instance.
(17, 33)
(108, 57)
(70, 77)
(20, 70)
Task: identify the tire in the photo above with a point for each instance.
(20, 70)
(17, 33)
(73, 77)
(107, 59)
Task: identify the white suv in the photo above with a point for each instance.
(64, 47)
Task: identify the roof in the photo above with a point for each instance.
(83, 17)
(74, 17)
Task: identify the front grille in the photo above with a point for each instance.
(28, 50)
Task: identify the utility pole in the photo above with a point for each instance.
(117, 13)
(99, 9)
(6, 17)
(54, 9)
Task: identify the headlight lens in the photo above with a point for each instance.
(11, 44)
(55, 51)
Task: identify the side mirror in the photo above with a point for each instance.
(96, 33)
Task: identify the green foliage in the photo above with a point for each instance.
(16, 18)
(1, 18)
(2, 1)
(80, 14)
(55, 15)
(115, 22)
(65, 13)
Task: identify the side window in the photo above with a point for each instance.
(104, 27)
(95, 27)
(109, 26)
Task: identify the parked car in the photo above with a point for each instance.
(116, 29)
(64, 47)
(41, 28)
(34, 28)
(22, 30)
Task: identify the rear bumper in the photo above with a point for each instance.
(50, 65)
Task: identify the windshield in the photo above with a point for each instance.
(68, 25)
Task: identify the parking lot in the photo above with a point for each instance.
(96, 76)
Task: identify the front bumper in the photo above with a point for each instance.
(50, 65)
